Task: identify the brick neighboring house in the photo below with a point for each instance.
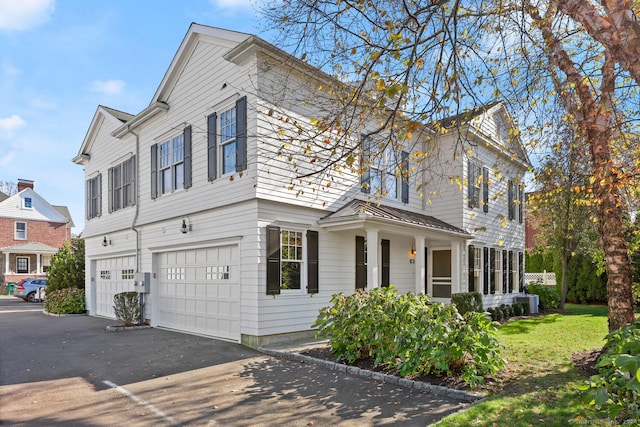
(31, 232)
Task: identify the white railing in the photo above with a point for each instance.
(545, 278)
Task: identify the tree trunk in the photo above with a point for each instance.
(565, 281)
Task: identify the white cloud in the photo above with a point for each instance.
(10, 124)
(108, 87)
(24, 14)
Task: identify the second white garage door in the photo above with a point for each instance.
(114, 275)
(198, 291)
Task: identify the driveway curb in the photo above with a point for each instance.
(377, 376)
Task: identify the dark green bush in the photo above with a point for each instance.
(549, 297)
(586, 283)
(617, 386)
(127, 308)
(409, 333)
(65, 301)
(507, 310)
(518, 309)
(467, 302)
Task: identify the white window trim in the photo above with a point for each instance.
(231, 140)
(15, 231)
(381, 164)
(303, 263)
(497, 271)
(172, 165)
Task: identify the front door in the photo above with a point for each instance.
(441, 273)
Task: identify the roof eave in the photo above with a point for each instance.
(146, 114)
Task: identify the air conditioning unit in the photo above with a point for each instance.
(531, 299)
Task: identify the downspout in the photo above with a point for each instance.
(134, 226)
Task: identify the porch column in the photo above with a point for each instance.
(421, 270)
(6, 262)
(373, 271)
(38, 265)
(456, 267)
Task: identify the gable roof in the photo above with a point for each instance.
(118, 118)
(473, 120)
(358, 210)
(41, 210)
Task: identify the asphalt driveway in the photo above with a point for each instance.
(71, 371)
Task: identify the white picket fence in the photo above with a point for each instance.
(545, 278)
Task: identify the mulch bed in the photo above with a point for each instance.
(586, 360)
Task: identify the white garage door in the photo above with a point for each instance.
(114, 275)
(198, 291)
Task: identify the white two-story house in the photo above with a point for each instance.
(196, 195)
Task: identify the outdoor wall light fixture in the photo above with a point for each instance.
(186, 225)
(105, 242)
(412, 254)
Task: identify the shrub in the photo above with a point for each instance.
(408, 333)
(518, 308)
(65, 301)
(616, 388)
(549, 297)
(467, 302)
(67, 267)
(127, 308)
(507, 310)
(635, 289)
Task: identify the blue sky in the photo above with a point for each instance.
(60, 59)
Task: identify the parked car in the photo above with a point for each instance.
(27, 289)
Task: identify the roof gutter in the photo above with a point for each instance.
(140, 118)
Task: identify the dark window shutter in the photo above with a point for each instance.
(505, 271)
(187, 157)
(510, 199)
(134, 188)
(486, 270)
(405, 177)
(212, 123)
(521, 204)
(361, 266)
(365, 178)
(312, 262)
(87, 204)
(471, 284)
(471, 182)
(386, 262)
(99, 194)
(485, 189)
(154, 171)
(521, 271)
(273, 260)
(492, 270)
(241, 134)
(110, 198)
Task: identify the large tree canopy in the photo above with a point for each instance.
(553, 61)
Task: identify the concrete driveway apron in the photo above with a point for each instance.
(71, 371)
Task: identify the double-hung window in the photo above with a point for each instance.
(122, 183)
(94, 197)
(515, 194)
(478, 185)
(27, 203)
(21, 231)
(292, 260)
(170, 165)
(22, 265)
(227, 140)
(385, 171)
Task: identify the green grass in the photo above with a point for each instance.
(539, 386)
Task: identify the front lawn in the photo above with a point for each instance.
(539, 386)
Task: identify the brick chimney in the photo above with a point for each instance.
(24, 183)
